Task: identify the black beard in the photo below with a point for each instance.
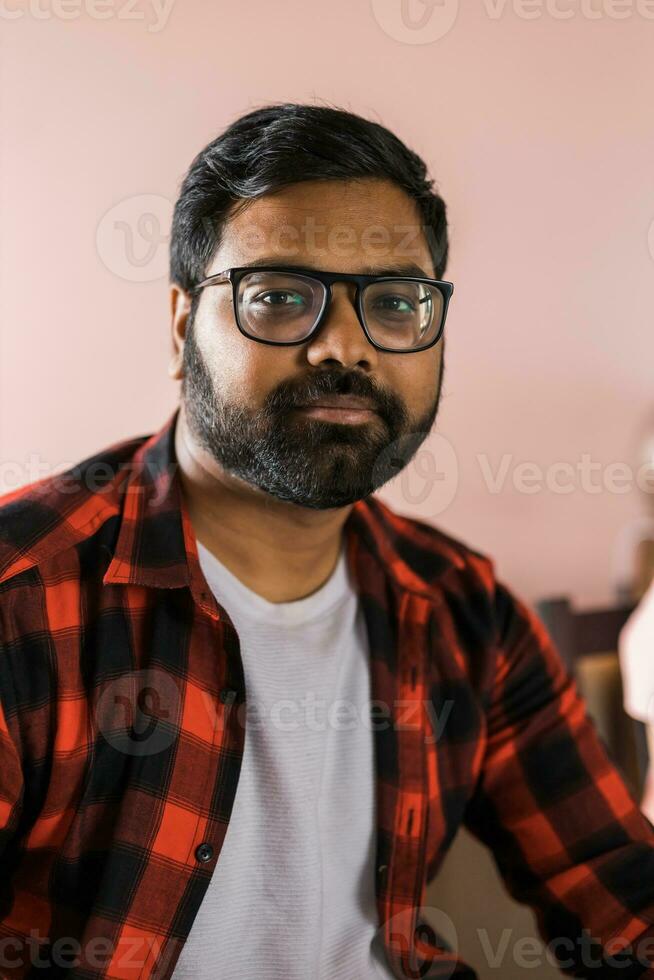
(309, 462)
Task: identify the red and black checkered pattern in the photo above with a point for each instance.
(122, 730)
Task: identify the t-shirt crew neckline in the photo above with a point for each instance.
(228, 587)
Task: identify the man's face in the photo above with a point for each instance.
(243, 399)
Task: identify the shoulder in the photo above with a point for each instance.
(46, 517)
(433, 556)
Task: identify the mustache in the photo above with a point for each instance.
(293, 394)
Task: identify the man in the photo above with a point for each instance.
(156, 594)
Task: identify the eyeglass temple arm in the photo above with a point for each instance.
(210, 280)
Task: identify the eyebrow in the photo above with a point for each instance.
(406, 269)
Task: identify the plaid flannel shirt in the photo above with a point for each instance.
(122, 730)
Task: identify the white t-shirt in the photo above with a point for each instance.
(636, 653)
(292, 894)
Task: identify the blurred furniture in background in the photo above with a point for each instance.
(468, 889)
(588, 642)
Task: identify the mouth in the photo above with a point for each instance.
(339, 408)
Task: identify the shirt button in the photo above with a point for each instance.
(204, 852)
(228, 695)
(381, 872)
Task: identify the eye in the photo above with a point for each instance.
(394, 303)
(279, 297)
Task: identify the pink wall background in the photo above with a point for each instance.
(536, 121)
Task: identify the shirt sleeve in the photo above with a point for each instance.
(565, 831)
(11, 778)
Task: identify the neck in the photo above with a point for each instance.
(278, 549)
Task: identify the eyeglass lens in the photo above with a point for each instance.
(283, 307)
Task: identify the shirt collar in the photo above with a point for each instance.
(155, 544)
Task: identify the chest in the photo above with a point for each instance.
(137, 736)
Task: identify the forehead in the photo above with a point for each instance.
(331, 224)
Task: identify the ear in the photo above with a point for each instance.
(180, 306)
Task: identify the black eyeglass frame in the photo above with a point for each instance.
(237, 273)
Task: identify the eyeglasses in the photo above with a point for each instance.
(286, 305)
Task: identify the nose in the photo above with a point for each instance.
(340, 337)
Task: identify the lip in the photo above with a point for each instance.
(341, 402)
(339, 408)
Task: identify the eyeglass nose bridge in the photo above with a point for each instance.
(356, 302)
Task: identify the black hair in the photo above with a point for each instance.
(272, 147)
